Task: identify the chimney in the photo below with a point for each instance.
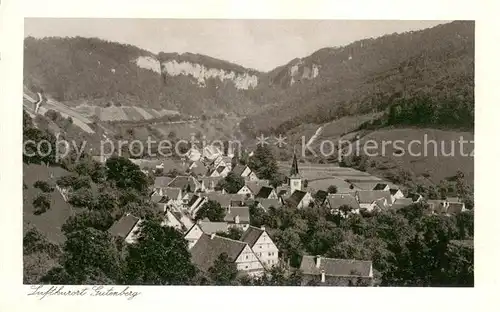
(212, 236)
(323, 276)
(237, 219)
(318, 261)
(263, 228)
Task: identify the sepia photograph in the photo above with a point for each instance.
(248, 152)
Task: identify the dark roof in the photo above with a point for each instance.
(455, 207)
(264, 192)
(335, 267)
(220, 169)
(269, 202)
(251, 235)
(243, 214)
(193, 200)
(123, 226)
(183, 182)
(320, 196)
(380, 186)
(239, 168)
(207, 250)
(296, 197)
(335, 201)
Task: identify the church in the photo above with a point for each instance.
(298, 198)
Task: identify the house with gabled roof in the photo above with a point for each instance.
(226, 200)
(208, 248)
(335, 201)
(262, 245)
(219, 171)
(336, 272)
(368, 199)
(238, 217)
(187, 184)
(266, 192)
(299, 200)
(396, 194)
(173, 219)
(266, 203)
(195, 204)
(320, 197)
(245, 191)
(127, 227)
(204, 226)
(245, 172)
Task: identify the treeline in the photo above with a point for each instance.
(426, 111)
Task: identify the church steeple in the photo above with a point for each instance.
(294, 171)
(295, 181)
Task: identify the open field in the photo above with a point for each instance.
(50, 222)
(434, 164)
(321, 176)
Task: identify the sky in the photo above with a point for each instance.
(257, 44)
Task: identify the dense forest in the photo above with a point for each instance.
(372, 74)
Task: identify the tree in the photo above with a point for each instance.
(92, 169)
(100, 220)
(160, 257)
(223, 271)
(233, 233)
(278, 276)
(43, 186)
(89, 257)
(41, 203)
(257, 215)
(82, 198)
(232, 183)
(332, 189)
(38, 146)
(126, 174)
(211, 210)
(263, 162)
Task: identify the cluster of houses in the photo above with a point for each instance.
(179, 199)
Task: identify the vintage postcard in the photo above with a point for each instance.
(313, 153)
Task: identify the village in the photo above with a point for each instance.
(180, 198)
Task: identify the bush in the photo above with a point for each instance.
(43, 186)
(41, 203)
